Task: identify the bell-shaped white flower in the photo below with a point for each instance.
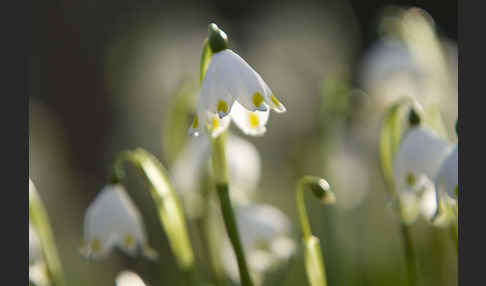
(34, 246)
(243, 169)
(265, 234)
(420, 153)
(232, 87)
(128, 278)
(447, 177)
(112, 220)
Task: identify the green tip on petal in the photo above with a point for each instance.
(218, 41)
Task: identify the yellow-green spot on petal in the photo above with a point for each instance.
(222, 106)
(253, 119)
(457, 191)
(257, 99)
(195, 123)
(410, 179)
(95, 245)
(215, 123)
(275, 100)
(128, 240)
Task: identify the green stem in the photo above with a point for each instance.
(221, 180)
(314, 262)
(202, 224)
(304, 219)
(410, 255)
(170, 212)
(39, 218)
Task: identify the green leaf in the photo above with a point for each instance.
(390, 136)
(205, 59)
(40, 220)
(170, 211)
(178, 119)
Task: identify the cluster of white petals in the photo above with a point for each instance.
(112, 220)
(265, 234)
(232, 89)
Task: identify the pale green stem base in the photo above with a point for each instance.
(39, 218)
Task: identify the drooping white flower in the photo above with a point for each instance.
(34, 246)
(420, 153)
(243, 169)
(266, 238)
(232, 87)
(447, 177)
(112, 220)
(128, 278)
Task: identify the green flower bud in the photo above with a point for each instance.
(218, 40)
(322, 190)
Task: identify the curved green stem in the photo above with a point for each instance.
(170, 211)
(39, 218)
(221, 180)
(314, 262)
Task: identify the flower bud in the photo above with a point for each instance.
(321, 189)
(218, 41)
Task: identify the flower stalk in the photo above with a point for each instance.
(222, 187)
(314, 262)
(169, 208)
(40, 219)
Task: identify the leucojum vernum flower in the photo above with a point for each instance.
(232, 87)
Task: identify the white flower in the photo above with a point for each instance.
(447, 177)
(128, 278)
(232, 87)
(34, 246)
(265, 235)
(420, 153)
(419, 199)
(38, 274)
(112, 220)
(244, 167)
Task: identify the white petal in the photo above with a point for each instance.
(243, 167)
(128, 278)
(187, 171)
(250, 122)
(260, 223)
(221, 84)
(420, 152)
(447, 177)
(112, 219)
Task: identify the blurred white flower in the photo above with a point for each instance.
(112, 220)
(38, 274)
(419, 199)
(128, 278)
(420, 153)
(243, 167)
(389, 71)
(447, 177)
(231, 82)
(34, 246)
(266, 238)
